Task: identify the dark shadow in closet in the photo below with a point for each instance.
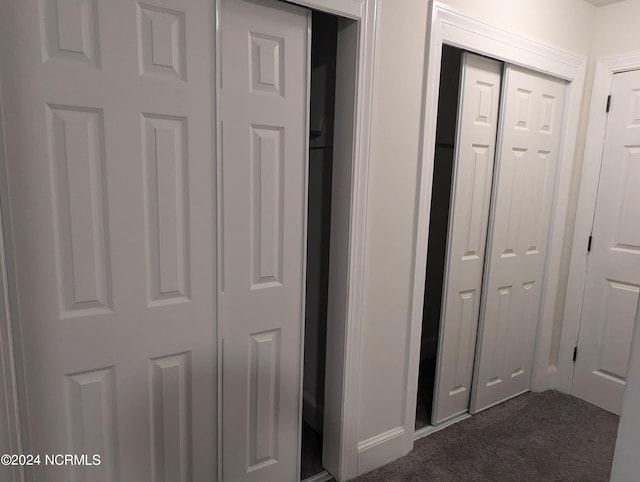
(322, 100)
(438, 229)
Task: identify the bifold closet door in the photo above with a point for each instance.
(477, 123)
(529, 134)
(263, 104)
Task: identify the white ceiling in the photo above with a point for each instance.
(600, 3)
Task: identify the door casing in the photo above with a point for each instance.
(605, 69)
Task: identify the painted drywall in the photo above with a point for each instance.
(398, 79)
(616, 29)
(397, 93)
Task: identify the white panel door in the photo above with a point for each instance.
(613, 276)
(529, 134)
(478, 103)
(263, 114)
(107, 116)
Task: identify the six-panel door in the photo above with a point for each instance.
(477, 125)
(107, 110)
(613, 276)
(264, 139)
(524, 186)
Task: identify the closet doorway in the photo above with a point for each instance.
(496, 151)
(324, 32)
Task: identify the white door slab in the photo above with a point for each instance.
(524, 182)
(613, 275)
(478, 104)
(263, 99)
(107, 116)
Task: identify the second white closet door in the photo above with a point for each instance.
(529, 135)
(264, 125)
(475, 148)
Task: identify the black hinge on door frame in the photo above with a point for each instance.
(608, 102)
(575, 353)
(589, 243)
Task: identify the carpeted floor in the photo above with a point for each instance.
(535, 437)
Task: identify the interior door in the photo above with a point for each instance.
(524, 181)
(107, 121)
(478, 104)
(613, 275)
(263, 95)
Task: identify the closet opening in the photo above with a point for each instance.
(324, 38)
(497, 142)
(438, 230)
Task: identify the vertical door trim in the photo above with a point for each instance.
(447, 26)
(365, 12)
(605, 69)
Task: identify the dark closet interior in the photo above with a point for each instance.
(438, 229)
(322, 100)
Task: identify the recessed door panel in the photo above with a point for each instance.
(613, 274)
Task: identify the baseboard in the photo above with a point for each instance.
(312, 411)
(381, 449)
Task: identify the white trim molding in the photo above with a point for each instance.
(380, 449)
(605, 69)
(447, 26)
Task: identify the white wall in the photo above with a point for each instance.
(398, 78)
(397, 95)
(616, 29)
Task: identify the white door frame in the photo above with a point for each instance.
(342, 461)
(447, 26)
(606, 67)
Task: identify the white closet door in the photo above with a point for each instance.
(471, 195)
(263, 112)
(106, 110)
(613, 277)
(529, 133)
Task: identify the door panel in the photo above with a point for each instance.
(263, 119)
(473, 172)
(613, 277)
(520, 218)
(111, 194)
